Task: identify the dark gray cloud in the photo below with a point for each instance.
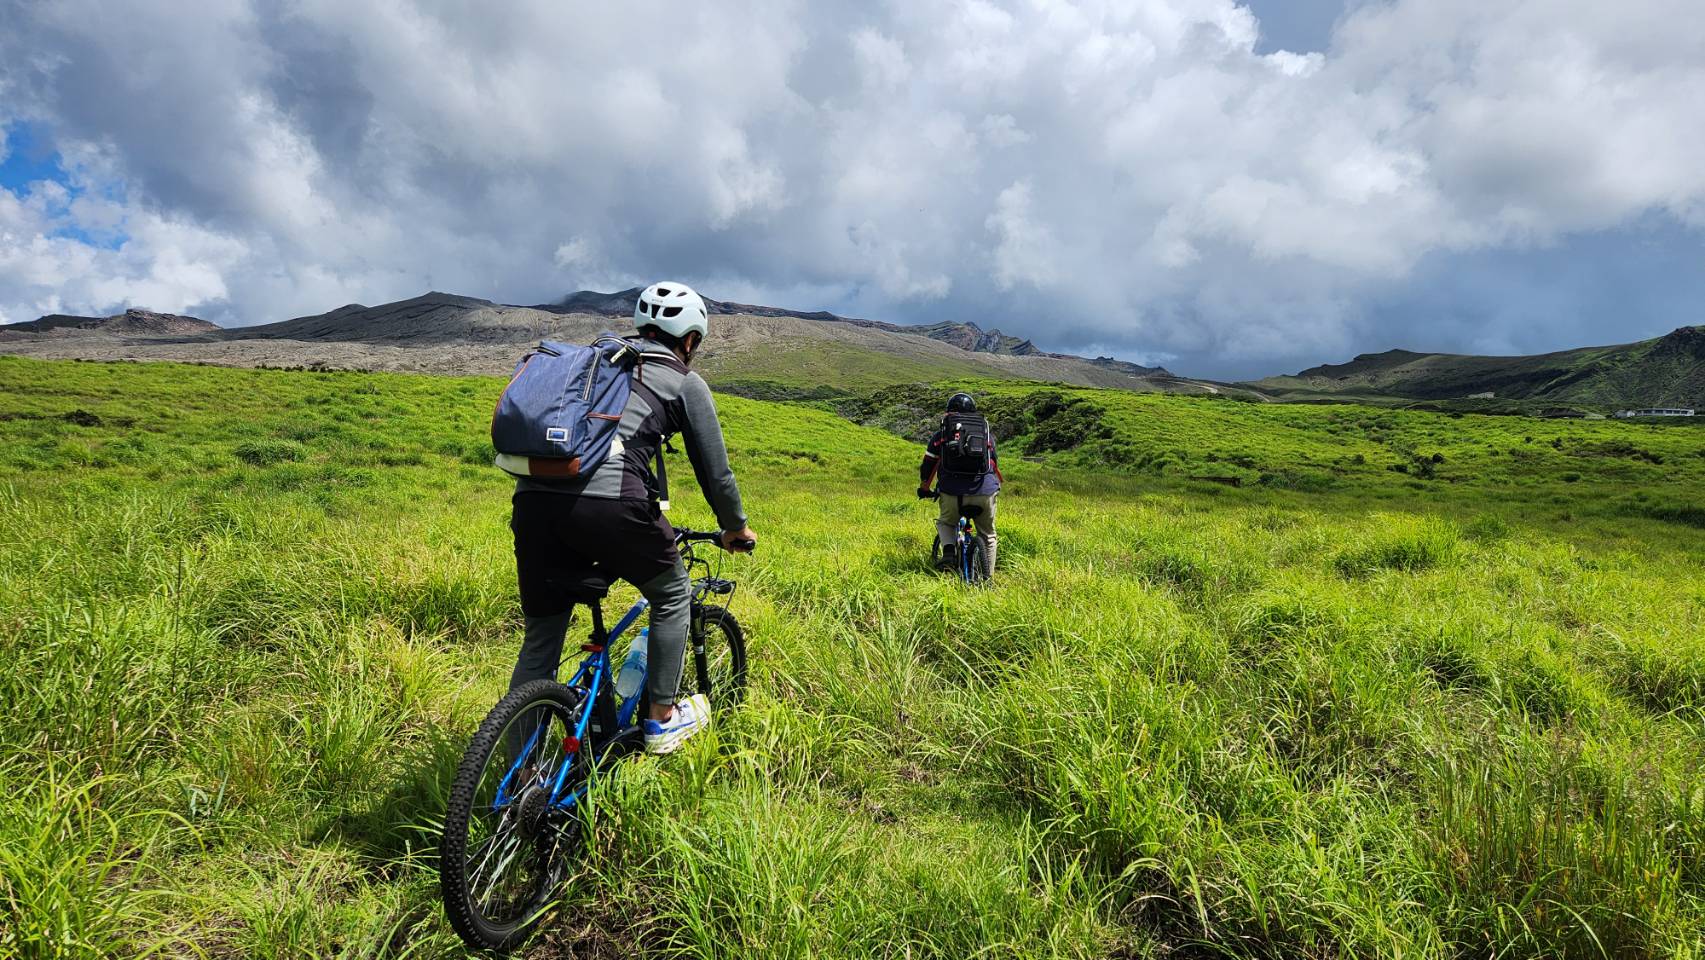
(1171, 179)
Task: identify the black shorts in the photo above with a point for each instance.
(567, 547)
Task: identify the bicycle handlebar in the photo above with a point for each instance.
(683, 535)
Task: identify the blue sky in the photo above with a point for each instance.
(1300, 25)
(1232, 190)
(31, 159)
(28, 158)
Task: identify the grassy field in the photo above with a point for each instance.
(249, 619)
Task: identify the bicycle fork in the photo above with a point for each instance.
(964, 548)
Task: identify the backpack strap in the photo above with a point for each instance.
(660, 471)
(668, 360)
(641, 359)
(662, 477)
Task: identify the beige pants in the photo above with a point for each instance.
(947, 525)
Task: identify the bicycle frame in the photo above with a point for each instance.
(595, 676)
(964, 542)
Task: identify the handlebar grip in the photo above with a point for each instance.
(703, 536)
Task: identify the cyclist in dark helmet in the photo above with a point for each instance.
(961, 460)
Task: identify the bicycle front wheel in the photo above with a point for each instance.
(506, 848)
(721, 668)
(975, 564)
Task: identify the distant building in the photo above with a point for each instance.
(1488, 395)
(1655, 412)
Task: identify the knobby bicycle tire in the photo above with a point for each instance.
(730, 686)
(556, 842)
(977, 567)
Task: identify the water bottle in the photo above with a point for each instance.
(632, 676)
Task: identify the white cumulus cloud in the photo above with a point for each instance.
(1108, 173)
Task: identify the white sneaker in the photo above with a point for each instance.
(691, 716)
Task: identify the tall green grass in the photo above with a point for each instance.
(249, 619)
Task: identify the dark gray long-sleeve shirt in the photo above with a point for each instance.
(667, 399)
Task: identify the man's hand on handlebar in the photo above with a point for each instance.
(925, 493)
(742, 540)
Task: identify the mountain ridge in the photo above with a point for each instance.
(131, 322)
(1662, 371)
(441, 332)
(452, 333)
(966, 335)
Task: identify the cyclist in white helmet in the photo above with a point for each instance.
(612, 518)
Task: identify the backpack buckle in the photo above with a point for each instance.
(623, 349)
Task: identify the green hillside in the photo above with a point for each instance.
(250, 618)
(847, 367)
(1667, 371)
(1340, 451)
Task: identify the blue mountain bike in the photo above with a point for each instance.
(515, 822)
(969, 559)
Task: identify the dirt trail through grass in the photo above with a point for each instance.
(249, 619)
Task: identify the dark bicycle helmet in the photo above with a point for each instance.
(961, 403)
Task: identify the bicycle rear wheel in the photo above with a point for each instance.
(721, 673)
(505, 849)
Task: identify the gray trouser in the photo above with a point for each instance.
(947, 524)
(671, 597)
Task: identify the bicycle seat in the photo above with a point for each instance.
(970, 511)
(588, 588)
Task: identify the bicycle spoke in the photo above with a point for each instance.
(502, 866)
(491, 845)
(507, 846)
(501, 879)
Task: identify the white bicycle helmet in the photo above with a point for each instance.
(672, 308)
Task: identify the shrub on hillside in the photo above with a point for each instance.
(1052, 421)
(1305, 481)
(1487, 528)
(1192, 571)
(1409, 547)
(261, 453)
(1057, 427)
(1684, 512)
(1617, 448)
(780, 392)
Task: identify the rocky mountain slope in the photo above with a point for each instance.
(447, 333)
(964, 335)
(755, 345)
(130, 323)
